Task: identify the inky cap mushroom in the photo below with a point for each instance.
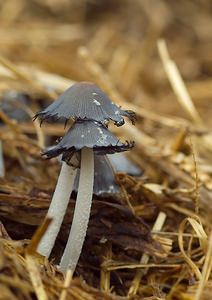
(91, 109)
(85, 100)
(89, 134)
(104, 181)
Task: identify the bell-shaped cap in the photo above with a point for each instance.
(105, 183)
(84, 100)
(90, 134)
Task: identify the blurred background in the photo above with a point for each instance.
(121, 36)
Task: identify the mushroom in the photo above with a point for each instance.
(12, 103)
(90, 134)
(84, 100)
(89, 137)
(105, 183)
(90, 107)
(122, 164)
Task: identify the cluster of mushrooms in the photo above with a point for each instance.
(91, 110)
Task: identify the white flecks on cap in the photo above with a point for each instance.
(103, 136)
(100, 130)
(96, 102)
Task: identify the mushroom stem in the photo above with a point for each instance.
(81, 213)
(58, 208)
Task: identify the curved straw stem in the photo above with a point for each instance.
(81, 213)
(58, 208)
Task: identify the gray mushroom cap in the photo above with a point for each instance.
(90, 134)
(105, 167)
(104, 178)
(12, 103)
(84, 100)
(121, 164)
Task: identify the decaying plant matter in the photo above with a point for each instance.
(153, 240)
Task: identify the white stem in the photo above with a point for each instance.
(57, 208)
(81, 213)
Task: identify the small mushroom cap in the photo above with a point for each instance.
(121, 164)
(12, 104)
(90, 134)
(84, 100)
(104, 178)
